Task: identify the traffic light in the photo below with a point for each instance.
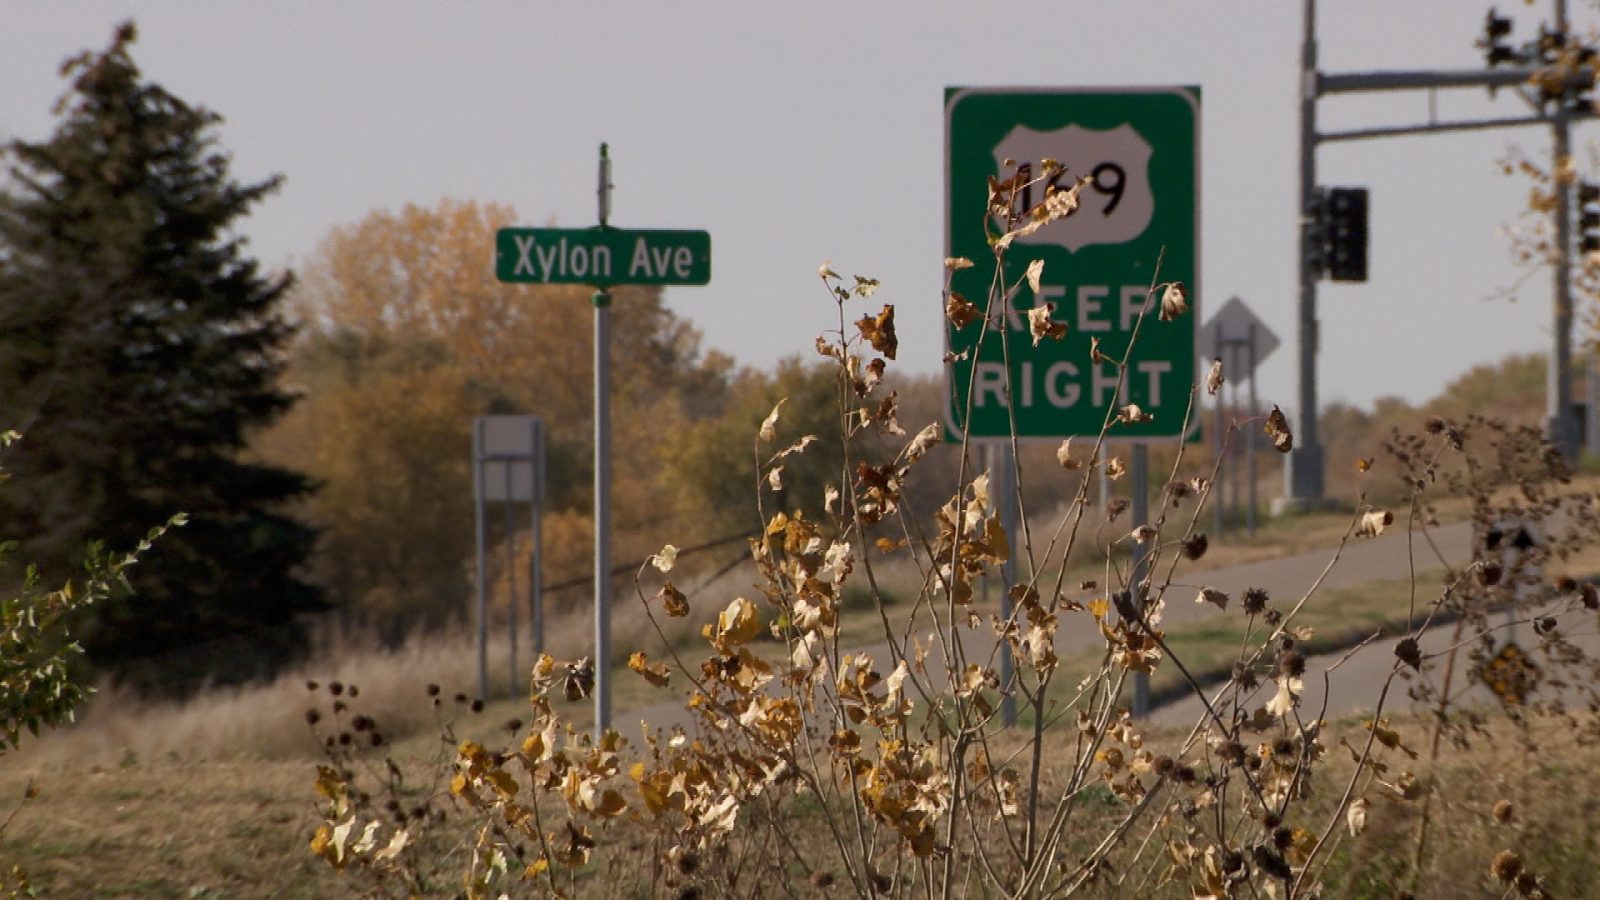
(1588, 218)
(1346, 213)
(1495, 30)
(1314, 240)
(1583, 94)
(1551, 44)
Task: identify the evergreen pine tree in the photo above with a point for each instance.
(139, 349)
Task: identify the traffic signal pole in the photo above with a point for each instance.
(1303, 469)
(1304, 481)
(1561, 425)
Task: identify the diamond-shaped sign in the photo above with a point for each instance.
(1228, 334)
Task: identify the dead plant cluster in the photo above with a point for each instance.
(804, 767)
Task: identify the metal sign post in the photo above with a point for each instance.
(602, 475)
(1002, 463)
(1139, 474)
(603, 257)
(1252, 334)
(508, 467)
(1219, 429)
(1239, 337)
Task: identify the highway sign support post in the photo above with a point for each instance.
(603, 257)
(1002, 466)
(1253, 359)
(1237, 336)
(508, 467)
(1139, 559)
(1141, 149)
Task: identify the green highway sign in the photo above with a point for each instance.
(602, 256)
(1141, 147)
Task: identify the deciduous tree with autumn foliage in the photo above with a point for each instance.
(407, 336)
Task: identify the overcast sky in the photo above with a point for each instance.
(798, 132)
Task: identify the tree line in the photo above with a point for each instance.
(314, 428)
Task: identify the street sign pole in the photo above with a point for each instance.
(602, 257)
(602, 477)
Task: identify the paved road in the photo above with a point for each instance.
(1286, 579)
(1357, 684)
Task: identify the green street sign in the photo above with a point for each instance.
(1141, 146)
(602, 256)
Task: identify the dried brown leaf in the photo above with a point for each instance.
(655, 673)
(1132, 414)
(1174, 303)
(960, 311)
(769, 425)
(673, 601)
(926, 439)
(796, 447)
(1356, 816)
(1041, 326)
(664, 560)
(879, 331)
(1373, 522)
(1064, 456)
(578, 682)
(1278, 428)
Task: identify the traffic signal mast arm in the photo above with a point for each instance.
(1577, 80)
